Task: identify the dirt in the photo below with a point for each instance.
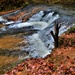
(10, 51)
(9, 42)
(6, 12)
(1, 25)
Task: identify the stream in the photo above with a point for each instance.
(40, 42)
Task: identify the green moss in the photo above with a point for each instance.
(71, 30)
(60, 41)
(25, 4)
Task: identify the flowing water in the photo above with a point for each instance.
(41, 43)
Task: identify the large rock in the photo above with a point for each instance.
(27, 30)
(16, 16)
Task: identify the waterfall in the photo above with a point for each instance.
(37, 47)
(39, 40)
(40, 43)
(35, 21)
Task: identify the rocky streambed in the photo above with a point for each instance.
(25, 33)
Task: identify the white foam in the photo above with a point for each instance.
(38, 47)
(37, 25)
(36, 17)
(48, 16)
(53, 19)
(10, 22)
(2, 19)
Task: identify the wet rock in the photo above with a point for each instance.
(26, 17)
(16, 17)
(27, 30)
(45, 13)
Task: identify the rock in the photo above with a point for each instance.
(16, 17)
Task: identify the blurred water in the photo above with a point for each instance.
(42, 43)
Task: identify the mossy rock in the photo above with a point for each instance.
(71, 30)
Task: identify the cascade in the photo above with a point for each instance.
(40, 43)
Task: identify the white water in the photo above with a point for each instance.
(37, 47)
(7, 23)
(2, 19)
(41, 43)
(37, 24)
(36, 17)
